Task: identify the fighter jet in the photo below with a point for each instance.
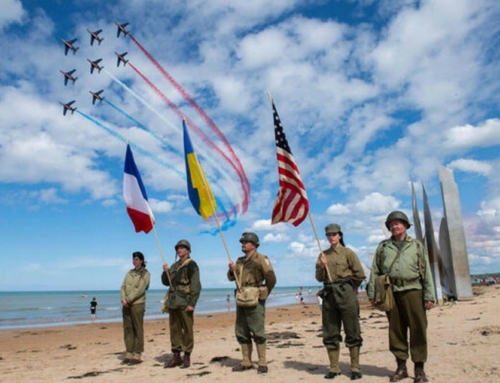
(69, 76)
(95, 65)
(96, 96)
(69, 45)
(121, 28)
(121, 58)
(95, 36)
(67, 107)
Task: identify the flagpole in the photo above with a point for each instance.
(207, 190)
(159, 248)
(319, 245)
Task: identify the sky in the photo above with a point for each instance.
(370, 94)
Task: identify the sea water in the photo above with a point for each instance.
(56, 308)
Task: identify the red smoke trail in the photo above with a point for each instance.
(191, 124)
(236, 164)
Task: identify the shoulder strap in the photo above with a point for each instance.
(420, 257)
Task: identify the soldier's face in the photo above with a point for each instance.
(247, 247)
(397, 227)
(182, 252)
(333, 238)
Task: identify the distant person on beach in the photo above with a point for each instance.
(93, 309)
(133, 296)
(340, 304)
(405, 260)
(228, 300)
(180, 301)
(252, 270)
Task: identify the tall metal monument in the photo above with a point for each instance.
(461, 283)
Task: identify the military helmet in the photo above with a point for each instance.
(183, 242)
(250, 237)
(397, 215)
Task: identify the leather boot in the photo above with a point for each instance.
(355, 369)
(186, 360)
(401, 372)
(419, 373)
(175, 361)
(246, 363)
(261, 352)
(333, 356)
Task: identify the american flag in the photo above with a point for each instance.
(291, 204)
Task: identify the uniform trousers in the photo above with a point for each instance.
(133, 327)
(408, 314)
(250, 324)
(341, 307)
(181, 329)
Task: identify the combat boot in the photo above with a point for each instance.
(186, 360)
(333, 356)
(355, 370)
(419, 373)
(401, 372)
(261, 352)
(246, 363)
(175, 361)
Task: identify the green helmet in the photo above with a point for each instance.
(183, 242)
(397, 215)
(250, 237)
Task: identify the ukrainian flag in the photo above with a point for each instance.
(199, 191)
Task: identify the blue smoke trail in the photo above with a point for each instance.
(227, 224)
(134, 146)
(142, 126)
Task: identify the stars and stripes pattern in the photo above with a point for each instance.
(291, 204)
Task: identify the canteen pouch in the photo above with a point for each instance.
(247, 297)
(384, 297)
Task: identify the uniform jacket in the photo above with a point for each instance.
(256, 270)
(406, 272)
(186, 283)
(134, 286)
(342, 262)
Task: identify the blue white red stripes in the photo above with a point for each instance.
(135, 196)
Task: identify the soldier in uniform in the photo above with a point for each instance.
(254, 270)
(340, 303)
(180, 302)
(406, 260)
(133, 297)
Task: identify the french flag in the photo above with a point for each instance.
(135, 196)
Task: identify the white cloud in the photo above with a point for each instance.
(468, 136)
(471, 166)
(338, 208)
(12, 12)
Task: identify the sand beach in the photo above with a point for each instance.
(463, 347)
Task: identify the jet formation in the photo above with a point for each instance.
(95, 36)
(69, 45)
(96, 96)
(121, 29)
(94, 64)
(121, 58)
(67, 106)
(69, 76)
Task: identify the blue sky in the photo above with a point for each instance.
(369, 93)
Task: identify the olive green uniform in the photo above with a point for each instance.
(133, 290)
(185, 291)
(250, 320)
(412, 285)
(340, 304)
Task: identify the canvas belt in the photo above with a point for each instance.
(404, 282)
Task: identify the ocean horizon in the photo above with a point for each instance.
(35, 309)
